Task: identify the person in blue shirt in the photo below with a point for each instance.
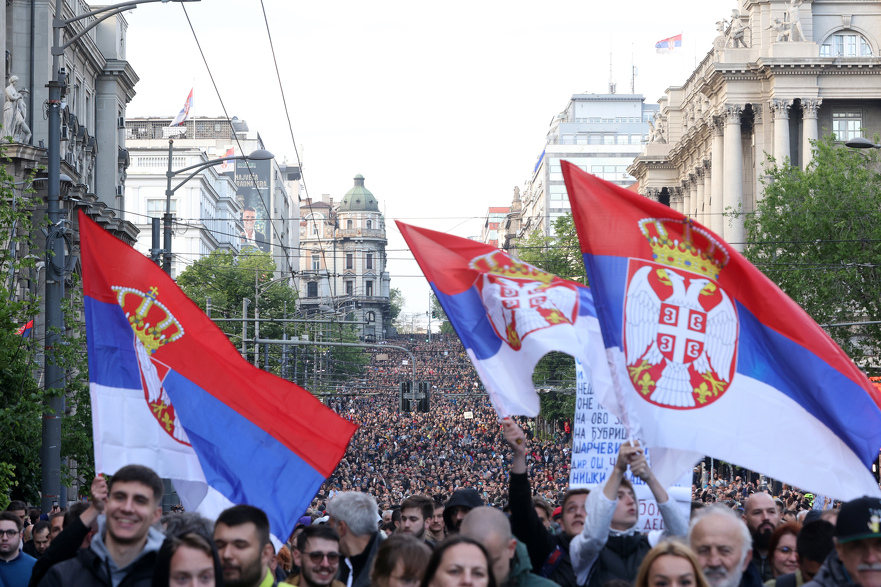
(15, 566)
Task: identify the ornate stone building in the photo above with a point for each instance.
(781, 73)
(343, 260)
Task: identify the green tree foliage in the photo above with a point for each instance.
(560, 254)
(437, 313)
(817, 234)
(396, 300)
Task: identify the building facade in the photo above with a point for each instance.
(781, 73)
(600, 133)
(343, 268)
(489, 232)
(208, 219)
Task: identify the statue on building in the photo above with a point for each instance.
(737, 31)
(15, 113)
(658, 129)
(795, 21)
(721, 39)
(784, 30)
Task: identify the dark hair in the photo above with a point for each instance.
(420, 502)
(573, 492)
(400, 547)
(40, 526)
(10, 517)
(441, 549)
(162, 566)
(782, 530)
(57, 515)
(814, 541)
(320, 531)
(139, 474)
(74, 512)
(542, 503)
(17, 506)
(243, 514)
(189, 523)
(249, 209)
(396, 515)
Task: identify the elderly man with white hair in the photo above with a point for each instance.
(355, 517)
(723, 545)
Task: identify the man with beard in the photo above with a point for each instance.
(318, 557)
(242, 537)
(761, 516)
(721, 542)
(436, 530)
(15, 566)
(416, 513)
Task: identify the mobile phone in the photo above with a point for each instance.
(54, 504)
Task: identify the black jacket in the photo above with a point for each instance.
(88, 570)
(63, 547)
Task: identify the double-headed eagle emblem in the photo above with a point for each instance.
(680, 327)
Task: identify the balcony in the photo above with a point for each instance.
(361, 233)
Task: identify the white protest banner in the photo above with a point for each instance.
(597, 437)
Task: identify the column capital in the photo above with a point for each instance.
(653, 194)
(675, 195)
(699, 172)
(810, 106)
(718, 125)
(780, 108)
(731, 113)
(707, 164)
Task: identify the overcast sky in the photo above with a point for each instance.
(443, 108)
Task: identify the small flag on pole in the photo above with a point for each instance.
(228, 166)
(25, 330)
(184, 114)
(669, 45)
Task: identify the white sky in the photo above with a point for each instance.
(443, 108)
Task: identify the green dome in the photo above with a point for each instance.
(359, 198)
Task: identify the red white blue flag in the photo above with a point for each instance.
(669, 45)
(25, 330)
(507, 313)
(171, 392)
(713, 356)
(184, 114)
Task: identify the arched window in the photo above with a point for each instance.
(369, 224)
(846, 44)
(348, 225)
(312, 289)
(371, 317)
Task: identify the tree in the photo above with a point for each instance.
(437, 313)
(560, 254)
(396, 301)
(817, 235)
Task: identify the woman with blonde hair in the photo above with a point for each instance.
(670, 564)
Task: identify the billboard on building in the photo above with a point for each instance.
(253, 179)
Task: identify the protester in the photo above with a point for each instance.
(670, 564)
(761, 515)
(783, 557)
(416, 513)
(400, 562)
(125, 547)
(436, 529)
(455, 510)
(610, 546)
(185, 560)
(459, 561)
(354, 516)
(317, 555)
(723, 546)
(241, 534)
(15, 566)
(813, 544)
(856, 559)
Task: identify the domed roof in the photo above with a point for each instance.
(359, 198)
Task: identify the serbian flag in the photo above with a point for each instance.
(713, 356)
(184, 114)
(507, 313)
(228, 166)
(170, 391)
(669, 45)
(25, 330)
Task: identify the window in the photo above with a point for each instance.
(350, 288)
(369, 224)
(370, 260)
(846, 44)
(156, 208)
(608, 139)
(635, 139)
(847, 125)
(622, 139)
(350, 261)
(348, 225)
(312, 289)
(316, 262)
(595, 139)
(314, 228)
(368, 289)
(581, 139)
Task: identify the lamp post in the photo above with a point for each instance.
(258, 155)
(861, 143)
(56, 263)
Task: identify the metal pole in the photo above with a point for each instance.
(55, 269)
(256, 317)
(166, 261)
(154, 252)
(245, 302)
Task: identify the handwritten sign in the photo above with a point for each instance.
(468, 415)
(597, 438)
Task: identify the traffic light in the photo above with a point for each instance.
(403, 401)
(425, 390)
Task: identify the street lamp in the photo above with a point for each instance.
(258, 155)
(56, 269)
(861, 143)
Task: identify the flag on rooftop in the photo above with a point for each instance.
(171, 392)
(714, 358)
(184, 114)
(669, 45)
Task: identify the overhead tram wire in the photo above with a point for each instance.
(234, 134)
(287, 114)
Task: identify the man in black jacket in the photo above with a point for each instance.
(355, 517)
(548, 553)
(123, 552)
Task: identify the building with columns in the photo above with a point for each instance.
(343, 265)
(781, 73)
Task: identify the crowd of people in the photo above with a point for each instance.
(453, 497)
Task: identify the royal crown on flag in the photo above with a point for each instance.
(499, 263)
(152, 322)
(681, 244)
